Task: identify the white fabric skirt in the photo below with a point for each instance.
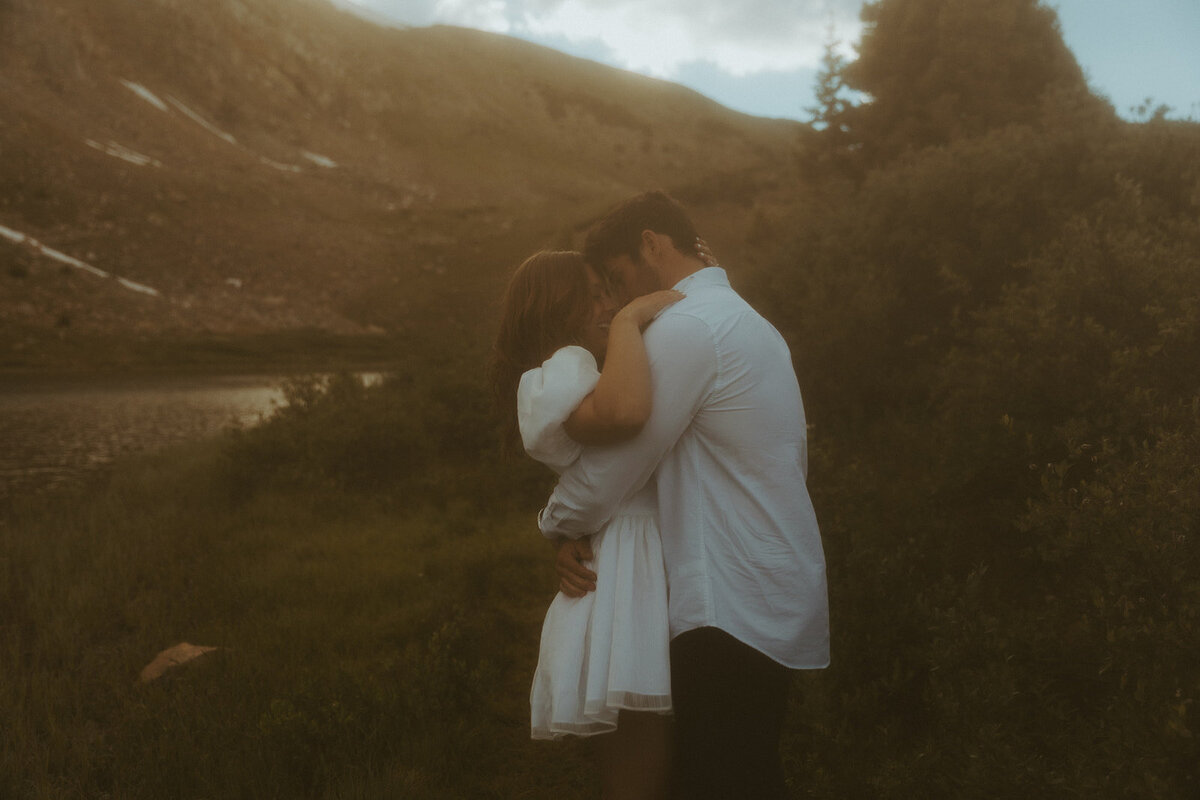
(607, 650)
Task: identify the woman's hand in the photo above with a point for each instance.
(641, 311)
(704, 254)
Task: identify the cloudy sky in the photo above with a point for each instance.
(761, 56)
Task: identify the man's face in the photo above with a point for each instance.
(629, 278)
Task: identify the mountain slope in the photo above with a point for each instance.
(273, 165)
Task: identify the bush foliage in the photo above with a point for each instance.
(998, 337)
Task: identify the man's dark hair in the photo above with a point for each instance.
(619, 233)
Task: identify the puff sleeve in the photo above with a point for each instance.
(546, 396)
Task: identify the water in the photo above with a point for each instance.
(55, 431)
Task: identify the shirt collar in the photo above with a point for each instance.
(708, 276)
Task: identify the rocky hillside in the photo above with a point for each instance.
(174, 169)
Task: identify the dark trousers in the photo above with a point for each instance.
(729, 704)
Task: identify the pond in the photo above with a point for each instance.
(54, 430)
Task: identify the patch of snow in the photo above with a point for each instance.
(123, 153)
(278, 166)
(319, 160)
(11, 235)
(49, 252)
(68, 260)
(202, 122)
(145, 94)
(138, 287)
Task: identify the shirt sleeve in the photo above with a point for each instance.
(546, 396)
(683, 369)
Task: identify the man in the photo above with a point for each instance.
(726, 445)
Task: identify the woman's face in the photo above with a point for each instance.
(595, 330)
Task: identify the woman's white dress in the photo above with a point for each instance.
(607, 650)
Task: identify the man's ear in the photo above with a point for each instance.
(650, 244)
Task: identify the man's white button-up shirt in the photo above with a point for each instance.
(726, 444)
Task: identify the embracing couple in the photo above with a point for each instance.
(692, 573)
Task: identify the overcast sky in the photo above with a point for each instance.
(761, 56)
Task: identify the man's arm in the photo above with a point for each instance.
(683, 369)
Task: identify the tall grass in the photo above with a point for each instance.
(370, 646)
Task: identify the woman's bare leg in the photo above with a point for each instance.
(635, 759)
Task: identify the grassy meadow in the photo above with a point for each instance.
(370, 647)
(377, 610)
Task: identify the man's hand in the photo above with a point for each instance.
(574, 579)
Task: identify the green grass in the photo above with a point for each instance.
(366, 650)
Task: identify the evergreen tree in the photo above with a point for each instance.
(830, 140)
(830, 108)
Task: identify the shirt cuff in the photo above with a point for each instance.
(548, 521)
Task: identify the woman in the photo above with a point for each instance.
(603, 665)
